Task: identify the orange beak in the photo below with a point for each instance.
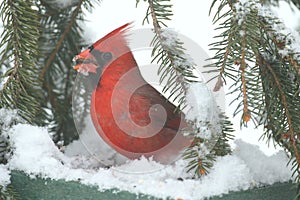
(85, 62)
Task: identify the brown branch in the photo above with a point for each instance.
(219, 83)
(231, 4)
(156, 25)
(291, 131)
(280, 45)
(52, 97)
(158, 30)
(246, 114)
(294, 63)
(61, 40)
(202, 170)
(222, 68)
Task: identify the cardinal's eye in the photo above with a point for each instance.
(79, 61)
(106, 56)
(91, 48)
(102, 57)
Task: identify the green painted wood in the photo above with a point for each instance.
(46, 189)
(278, 191)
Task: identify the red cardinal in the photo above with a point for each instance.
(128, 113)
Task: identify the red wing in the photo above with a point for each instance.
(145, 97)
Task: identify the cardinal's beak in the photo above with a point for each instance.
(85, 62)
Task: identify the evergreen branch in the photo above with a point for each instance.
(226, 44)
(20, 39)
(269, 84)
(294, 63)
(61, 40)
(8, 118)
(59, 44)
(198, 164)
(176, 68)
(280, 127)
(291, 135)
(8, 193)
(286, 59)
(276, 2)
(219, 83)
(52, 96)
(222, 147)
(200, 161)
(281, 41)
(234, 52)
(246, 115)
(170, 53)
(3, 149)
(295, 2)
(282, 113)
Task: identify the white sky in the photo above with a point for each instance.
(114, 13)
(190, 19)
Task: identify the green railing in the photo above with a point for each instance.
(46, 189)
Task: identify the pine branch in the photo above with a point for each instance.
(276, 2)
(262, 58)
(20, 39)
(176, 69)
(198, 164)
(40, 40)
(61, 27)
(284, 130)
(4, 148)
(284, 74)
(8, 118)
(296, 3)
(62, 37)
(222, 147)
(8, 193)
(199, 161)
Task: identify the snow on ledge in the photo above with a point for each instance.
(36, 154)
(5, 176)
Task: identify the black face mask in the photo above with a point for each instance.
(102, 59)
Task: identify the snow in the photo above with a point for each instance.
(170, 37)
(203, 105)
(64, 3)
(204, 113)
(5, 175)
(36, 154)
(281, 32)
(171, 41)
(268, 169)
(242, 33)
(290, 36)
(88, 147)
(3, 81)
(243, 8)
(7, 117)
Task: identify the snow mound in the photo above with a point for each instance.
(264, 169)
(5, 176)
(36, 154)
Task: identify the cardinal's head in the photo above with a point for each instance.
(103, 52)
